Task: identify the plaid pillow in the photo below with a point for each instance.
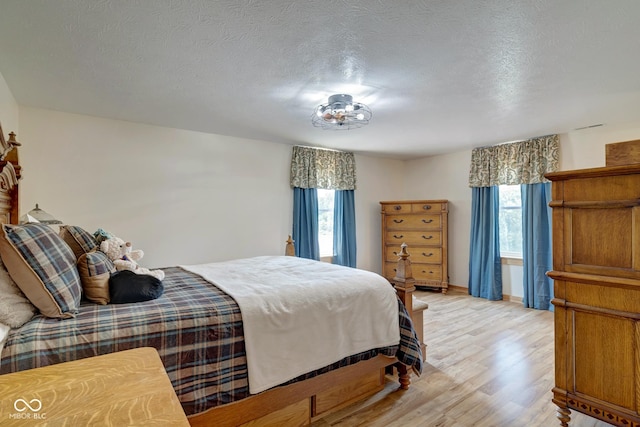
(95, 269)
(44, 268)
(79, 240)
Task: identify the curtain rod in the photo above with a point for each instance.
(321, 148)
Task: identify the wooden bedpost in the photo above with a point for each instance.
(9, 176)
(403, 280)
(290, 250)
(404, 283)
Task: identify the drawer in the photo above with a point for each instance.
(417, 254)
(413, 238)
(364, 385)
(390, 270)
(422, 222)
(427, 272)
(399, 208)
(420, 271)
(426, 207)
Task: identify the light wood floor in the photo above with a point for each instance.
(489, 364)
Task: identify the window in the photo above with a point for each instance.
(325, 222)
(510, 217)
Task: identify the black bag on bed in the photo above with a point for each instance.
(126, 286)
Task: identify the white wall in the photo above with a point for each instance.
(512, 280)
(446, 177)
(586, 148)
(181, 196)
(8, 110)
(378, 179)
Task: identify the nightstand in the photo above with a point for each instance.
(119, 389)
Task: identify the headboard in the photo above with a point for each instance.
(10, 173)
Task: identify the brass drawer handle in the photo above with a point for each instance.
(395, 253)
(430, 272)
(427, 238)
(398, 221)
(426, 207)
(427, 222)
(427, 255)
(397, 207)
(400, 236)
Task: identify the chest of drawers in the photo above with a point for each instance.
(422, 225)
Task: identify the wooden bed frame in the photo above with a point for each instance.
(300, 403)
(295, 404)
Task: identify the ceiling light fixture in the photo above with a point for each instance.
(341, 113)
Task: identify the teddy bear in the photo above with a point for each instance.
(101, 235)
(124, 257)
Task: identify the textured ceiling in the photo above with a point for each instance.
(439, 75)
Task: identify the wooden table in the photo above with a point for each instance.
(118, 389)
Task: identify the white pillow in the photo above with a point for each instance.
(4, 334)
(15, 308)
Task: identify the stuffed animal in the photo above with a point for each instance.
(125, 258)
(101, 235)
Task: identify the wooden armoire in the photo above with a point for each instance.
(596, 269)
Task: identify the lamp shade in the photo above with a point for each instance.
(38, 215)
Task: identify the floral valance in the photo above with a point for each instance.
(523, 162)
(319, 168)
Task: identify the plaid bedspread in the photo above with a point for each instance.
(196, 328)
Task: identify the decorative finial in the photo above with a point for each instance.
(403, 251)
(12, 139)
(290, 250)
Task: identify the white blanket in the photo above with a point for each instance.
(300, 315)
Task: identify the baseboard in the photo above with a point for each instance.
(458, 289)
(454, 289)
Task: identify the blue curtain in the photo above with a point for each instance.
(305, 222)
(485, 270)
(344, 228)
(537, 256)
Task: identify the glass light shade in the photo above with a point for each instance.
(341, 112)
(38, 215)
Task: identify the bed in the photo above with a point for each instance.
(199, 332)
